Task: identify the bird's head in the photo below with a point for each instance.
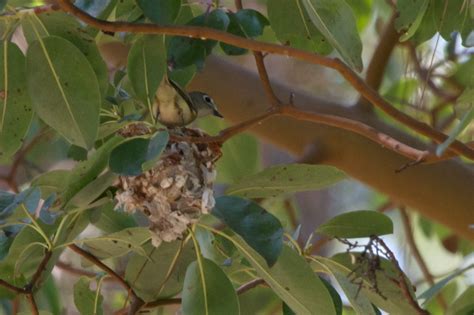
(204, 104)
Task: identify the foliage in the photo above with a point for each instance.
(57, 87)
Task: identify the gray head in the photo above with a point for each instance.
(204, 104)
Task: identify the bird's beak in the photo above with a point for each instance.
(215, 112)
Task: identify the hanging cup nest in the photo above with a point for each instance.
(177, 191)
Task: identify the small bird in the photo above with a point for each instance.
(174, 107)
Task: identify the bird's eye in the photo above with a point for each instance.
(208, 99)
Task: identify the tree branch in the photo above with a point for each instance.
(376, 68)
(439, 191)
(417, 255)
(336, 64)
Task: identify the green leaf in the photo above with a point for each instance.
(111, 220)
(93, 190)
(15, 104)
(286, 179)
(355, 224)
(183, 51)
(155, 148)
(68, 98)
(207, 290)
(138, 154)
(85, 172)
(260, 229)
(88, 302)
(336, 21)
(66, 26)
(464, 304)
(467, 97)
(146, 66)
(411, 13)
(436, 289)
(336, 298)
(245, 23)
(118, 244)
(395, 301)
(162, 12)
(293, 26)
(77, 153)
(291, 279)
(51, 182)
(166, 265)
(357, 299)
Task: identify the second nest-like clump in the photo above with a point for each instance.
(177, 190)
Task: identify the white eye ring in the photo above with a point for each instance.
(208, 99)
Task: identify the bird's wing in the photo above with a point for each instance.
(183, 94)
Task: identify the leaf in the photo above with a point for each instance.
(207, 290)
(336, 298)
(260, 229)
(293, 26)
(85, 172)
(87, 301)
(355, 224)
(162, 12)
(286, 179)
(146, 66)
(357, 299)
(68, 98)
(336, 21)
(464, 304)
(15, 104)
(411, 13)
(138, 154)
(166, 265)
(291, 279)
(51, 182)
(93, 190)
(466, 97)
(29, 198)
(111, 220)
(66, 26)
(245, 23)
(117, 244)
(436, 289)
(183, 51)
(395, 301)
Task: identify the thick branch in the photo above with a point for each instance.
(440, 191)
(336, 64)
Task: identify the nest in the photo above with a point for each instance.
(177, 191)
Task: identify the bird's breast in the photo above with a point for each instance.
(173, 110)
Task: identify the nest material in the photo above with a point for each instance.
(177, 191)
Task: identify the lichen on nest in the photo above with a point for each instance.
(176, 191)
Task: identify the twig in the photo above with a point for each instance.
(33, 306)
(424, 75)
(417, 255)
(376, 68)
(105, 268)
(250, 285)
(401, 278)
(12, 288)
(333, 63)
(39, 271)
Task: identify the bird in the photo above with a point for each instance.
(174, 107)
